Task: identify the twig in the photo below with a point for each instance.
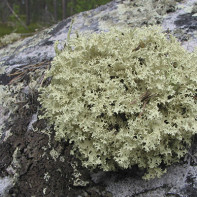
(16, 78)
(16, 73)
(26, 69)
(144, 105)
(145, 98)
(140, 97)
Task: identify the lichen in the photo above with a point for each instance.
(137, 13)
(77, 176)
(46, 176)
(6, 101)
(14, 96)
(44, 190)
(54, 154)
(194, 9)
(124, 97)
(15, 165)
(8, 39)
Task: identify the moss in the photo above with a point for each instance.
(123, 98)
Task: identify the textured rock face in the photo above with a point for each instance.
(179, 19)
(118, 12)
(175, 183)
(183, 24)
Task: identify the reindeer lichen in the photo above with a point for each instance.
(10, 38)
(123, 98)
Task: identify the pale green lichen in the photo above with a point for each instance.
(6, 102)
(54, 154)
(77, 176)
(11, 95)
(66, 44)
(15, 95)
(135, 13)
(14, 166)
(44, 190)
(194, 9)
(62, 159)
(46, 176)
(48, 133)
(10, 38)
(123, 98)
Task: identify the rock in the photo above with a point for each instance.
(38, 173)
(5, 184)
(178, 181)
(185, 22)
(40, 47)
(194, 9)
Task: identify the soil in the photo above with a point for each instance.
(26, 155)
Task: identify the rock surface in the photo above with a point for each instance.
(35, 162)
(40, 47)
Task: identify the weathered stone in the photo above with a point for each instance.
(194, 9)
(40, 47)
(5, 185)
(180, 180)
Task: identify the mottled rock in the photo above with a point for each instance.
(182, 24)
(180, 180)
(5, 185)
(118, 12)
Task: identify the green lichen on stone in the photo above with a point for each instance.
(7, 106)
(136, 13)
(8, 39)
(77, 176)
(194, 9)
(54, 154)
(123, 98)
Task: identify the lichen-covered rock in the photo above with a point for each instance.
(118, 12)
(8, 39)
(194, 9)
(36, 175)
(124, 98)
(5, 185)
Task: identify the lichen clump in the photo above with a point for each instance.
(10, 38)
(123, 98)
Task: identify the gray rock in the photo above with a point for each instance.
(5, 184)
(174, 182)
(181, 179)
(183, 24)
(40, 47)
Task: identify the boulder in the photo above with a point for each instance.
(32, 162)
